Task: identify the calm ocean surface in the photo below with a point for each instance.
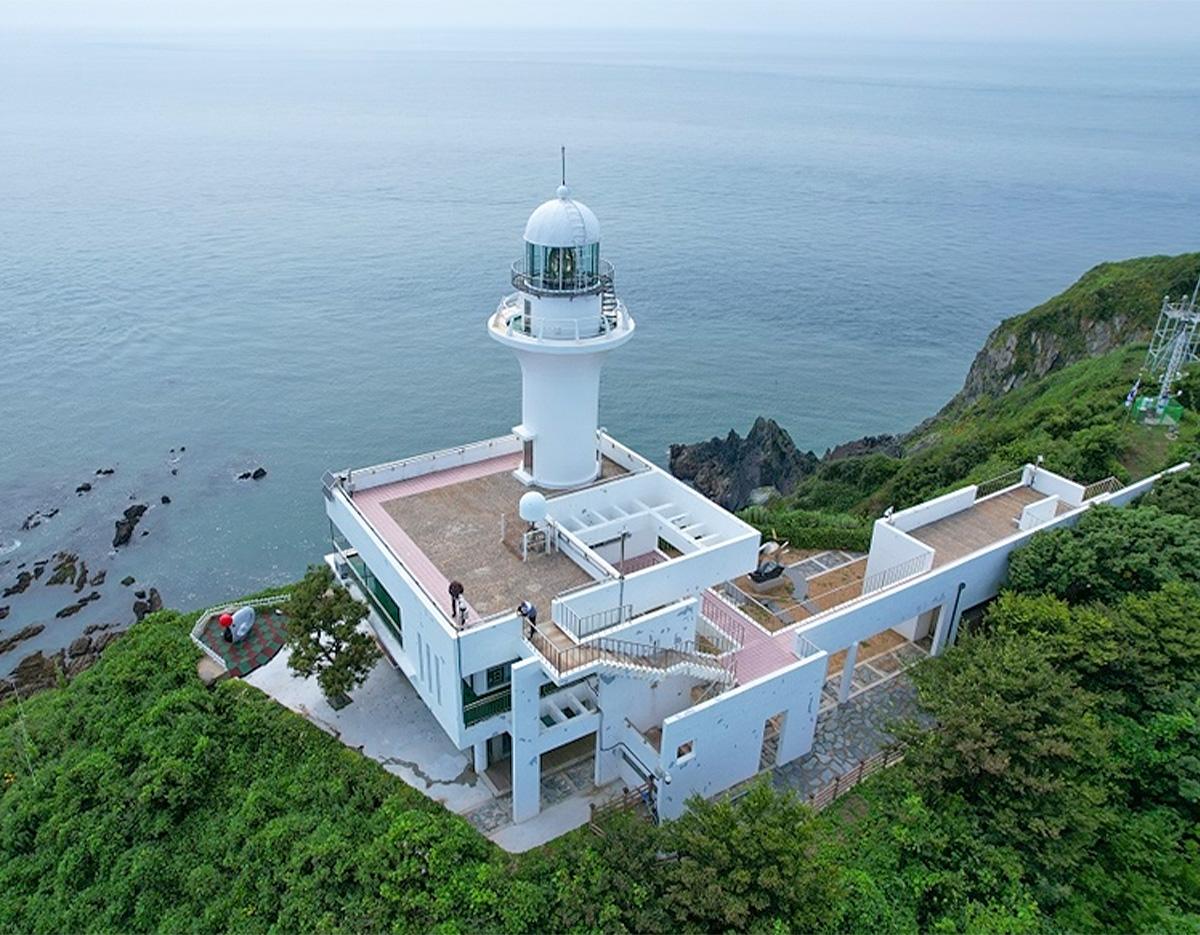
(283, 251)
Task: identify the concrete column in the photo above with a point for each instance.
(526, 728)
(481, 757)
(847, 673)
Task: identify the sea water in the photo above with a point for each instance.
(218, 252)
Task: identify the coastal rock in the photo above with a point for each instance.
(83, 488)
(125, 526)
(98, 578)
(258, 473)
(81, 579)
(152, 604)
(64, 569)
(867, 445)
(32, 674)
(71, 610)
(21, 635)
(79, 646)
(37, 517)
(24, 580)
(127, 580)
(105, 472)
(728, 469)
(164, 499)
(37, 671)
(3, 612)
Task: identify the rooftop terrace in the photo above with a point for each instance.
(986, 521)
(447, 525)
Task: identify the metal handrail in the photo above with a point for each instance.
(999, 482)
(510, 319)
(620, 652)
(1110, 484)
(205, 615)
(580, 282)
(582, 626)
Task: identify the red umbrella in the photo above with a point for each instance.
(225, 620)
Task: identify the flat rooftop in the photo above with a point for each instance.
(446, 526)
(984, 522)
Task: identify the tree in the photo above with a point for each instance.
(1178, 492)
(1019, 741)
(1111, 552)
(324, 635)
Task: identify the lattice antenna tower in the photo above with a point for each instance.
(1176, 342)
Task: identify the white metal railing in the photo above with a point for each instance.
(897, 572)
(582, 626)
(1108, 485)
(510, 319)
(999, 482)
(805, 647)
(206, 615)
(579, 281)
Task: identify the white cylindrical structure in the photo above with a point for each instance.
(562, 322)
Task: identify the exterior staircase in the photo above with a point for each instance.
(566, 659)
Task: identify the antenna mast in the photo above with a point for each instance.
(1175, 345)
(564, 167)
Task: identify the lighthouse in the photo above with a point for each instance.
(562, 321)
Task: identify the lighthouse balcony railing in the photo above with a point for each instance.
(510, 319)
(577, 282)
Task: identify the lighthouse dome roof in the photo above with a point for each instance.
(562, 222)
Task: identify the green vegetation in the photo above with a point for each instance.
(1069, 409)
(324, 635)
(1059, 791)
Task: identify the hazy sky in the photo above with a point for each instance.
(1086, 20)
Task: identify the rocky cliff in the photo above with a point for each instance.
(1113, 304)
(728, 469)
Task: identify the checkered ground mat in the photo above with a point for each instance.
(264, 640)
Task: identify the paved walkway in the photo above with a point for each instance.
(848, 734)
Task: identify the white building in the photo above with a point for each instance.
(636, 652)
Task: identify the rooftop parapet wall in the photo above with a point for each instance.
(1049, 483)
(931, 510)
(431, 462)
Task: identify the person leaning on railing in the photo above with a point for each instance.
(529, 613)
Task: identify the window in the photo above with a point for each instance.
(499, 675)
(684, 750)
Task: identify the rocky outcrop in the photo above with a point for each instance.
(25, 633)
(1112, 305)
(728, 469)
(257, 474)
(126, 525)
(867, 445)
(24, 580)
(37, 671)
(152, 603)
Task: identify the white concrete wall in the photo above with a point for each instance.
(669, 581)
(940, 507)
(891, 548)
(1047, 482)
(1039, 512)
(560, 404)
(726, 733)
(668, 626)
(429, 643)
(432, 462)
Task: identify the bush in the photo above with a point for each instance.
(1111, 552)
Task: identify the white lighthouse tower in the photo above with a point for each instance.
(562, 321)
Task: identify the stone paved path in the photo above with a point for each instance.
(848, 734)
(556, 787)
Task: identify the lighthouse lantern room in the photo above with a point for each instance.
(562, 321)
